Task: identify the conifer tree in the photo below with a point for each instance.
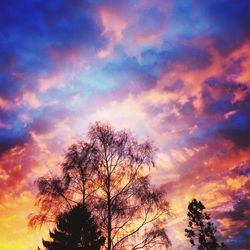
(75, 230)
(201, 229)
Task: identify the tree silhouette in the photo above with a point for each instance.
(75, 230)
(200, 228)
(109, 172)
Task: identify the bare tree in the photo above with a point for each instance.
(109, 172)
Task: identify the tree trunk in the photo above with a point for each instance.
(109, 214)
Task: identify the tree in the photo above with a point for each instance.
(200, 228)
(110, 173)
(75, 230)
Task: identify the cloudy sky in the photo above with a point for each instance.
(176, 72)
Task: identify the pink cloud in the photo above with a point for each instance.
(31, 99)
(113, 24)
(5, 104)
(54, 81)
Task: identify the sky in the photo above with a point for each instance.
(175, 72)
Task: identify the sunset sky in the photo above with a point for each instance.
(175, 72)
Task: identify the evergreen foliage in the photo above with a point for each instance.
(201, 229)
(75, 230)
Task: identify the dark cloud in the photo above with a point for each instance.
(239, 137)
(9, 87)
(242, 169)
(30, 30)
(222, 84)
(240, 211)
(240, 238)
(43, 125)
(57, 23)
(176, 86)
(15, 136)
(72, 25)
(45, 119)
(151, 19)
(191, 57)
(187, 108)
(8, 61)
(236, 127)
(229, 23)
(225, 22)
(234, 67)
(15, 133)
(218, 106)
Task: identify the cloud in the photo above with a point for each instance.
(13, 216)
(174, 71)
(10, 87)
(236, 223)
(227, 16)
(13, 133)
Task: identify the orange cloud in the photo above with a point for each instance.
(14, 231)
(238, 182)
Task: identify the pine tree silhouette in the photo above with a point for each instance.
(75, 230)
(201, 229)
